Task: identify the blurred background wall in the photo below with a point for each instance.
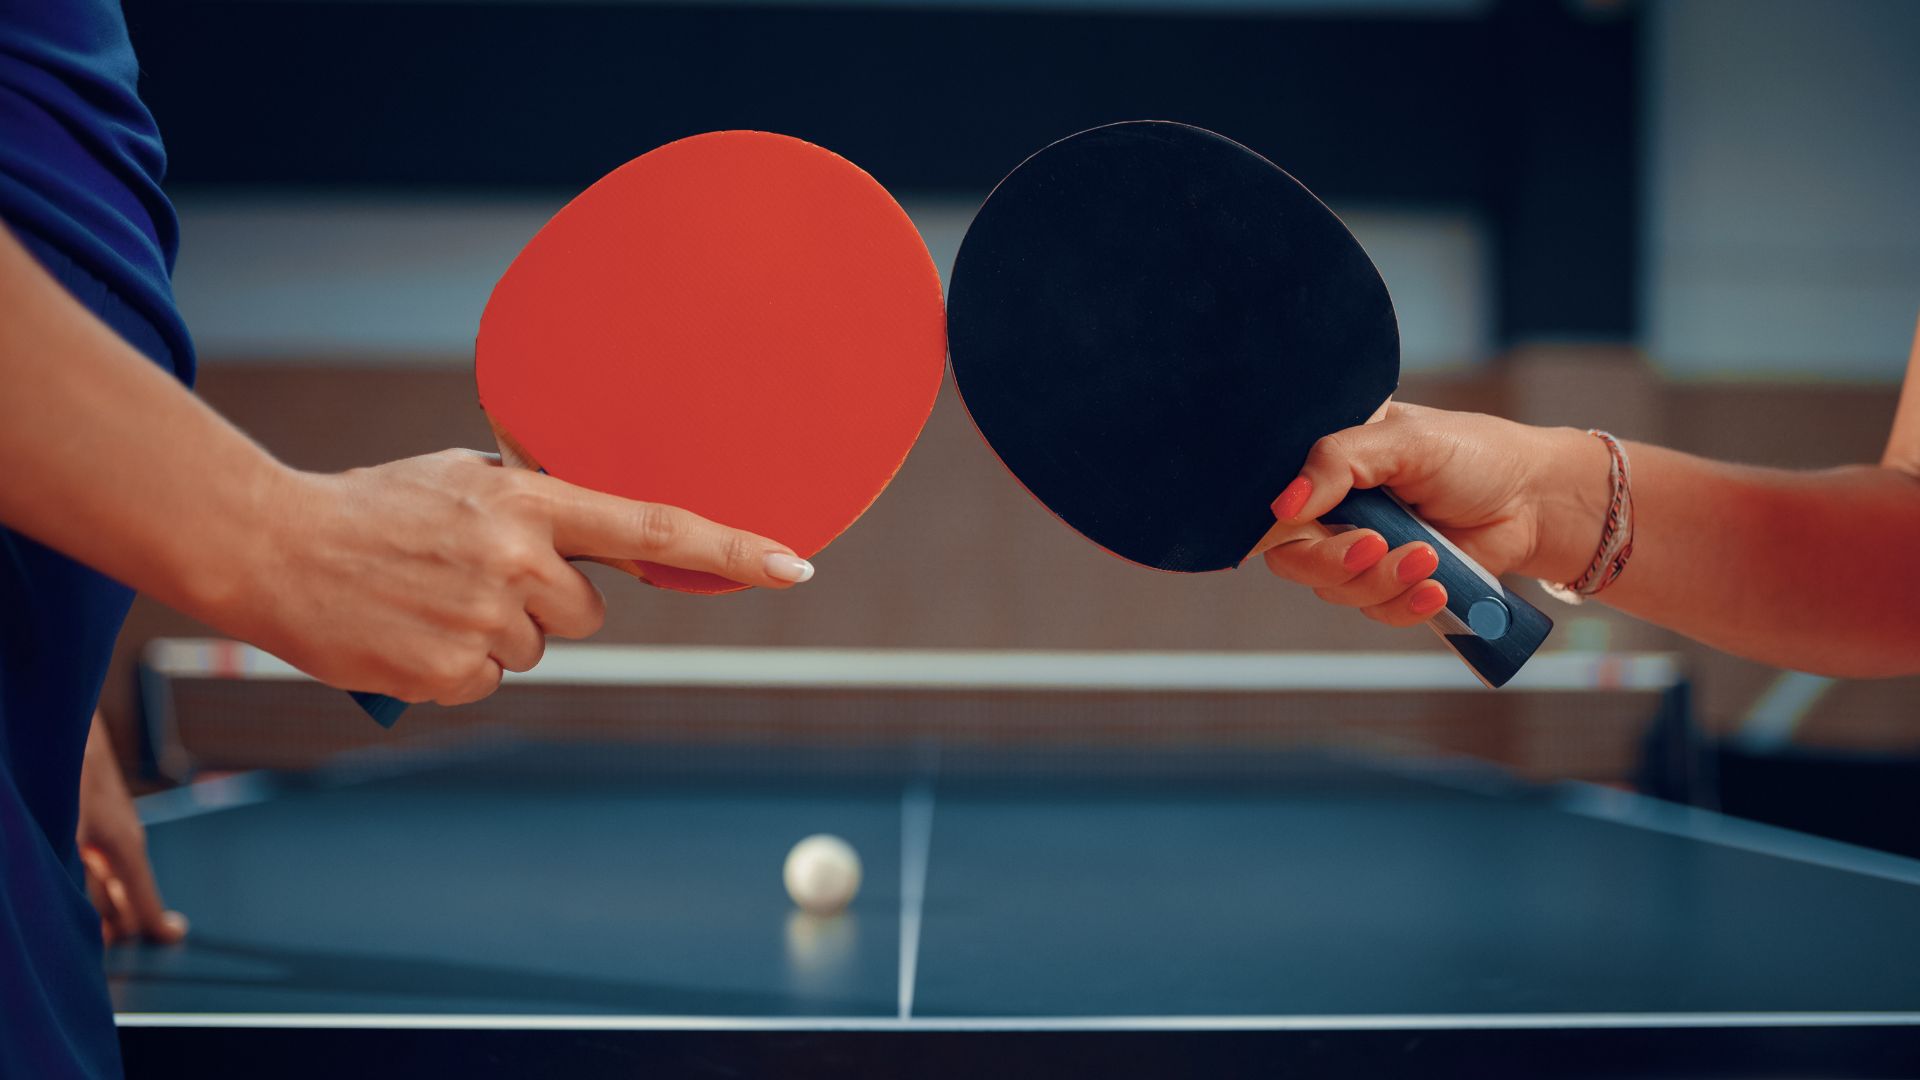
(1782, 239)
(1691, 222)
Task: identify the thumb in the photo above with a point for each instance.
(1371, 455)
(596, 525)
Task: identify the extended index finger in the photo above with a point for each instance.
(595, 525)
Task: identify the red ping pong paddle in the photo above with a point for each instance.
(1152, 325)
(740, 324)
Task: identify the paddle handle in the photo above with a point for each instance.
(384, 710)
(1489, 627)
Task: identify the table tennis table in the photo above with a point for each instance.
(585, 910)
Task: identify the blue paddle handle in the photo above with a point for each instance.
(384, 710)
(1490, 628)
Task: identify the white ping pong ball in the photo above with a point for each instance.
(822, 874)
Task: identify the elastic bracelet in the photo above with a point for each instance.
(1616, 534)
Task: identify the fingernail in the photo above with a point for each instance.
(789, 568)
(176, 922)
(1292, 499)
(1417, 565)
(1364, 553)
(1427, 599)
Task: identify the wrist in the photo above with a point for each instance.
(1571, 488)
(233, 559)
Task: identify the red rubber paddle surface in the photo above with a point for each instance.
(740, 323)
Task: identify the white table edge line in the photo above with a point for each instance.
(1637, 811)
(1423, 1022)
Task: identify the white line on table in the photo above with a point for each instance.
(916, 839)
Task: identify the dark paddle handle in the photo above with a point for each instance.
(384, 710)
(1490, 628)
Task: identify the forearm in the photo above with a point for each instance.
(1817, 571)
(111, 461)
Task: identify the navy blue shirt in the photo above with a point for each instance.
(80, 169)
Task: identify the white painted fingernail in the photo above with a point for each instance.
(789, 568)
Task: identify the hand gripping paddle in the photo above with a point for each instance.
(740, 324)
(1152, 325)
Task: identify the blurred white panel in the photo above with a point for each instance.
(267, 279)
(406, 279)
(1784, 187)
(1437, 266)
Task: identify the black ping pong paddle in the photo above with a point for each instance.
(1152, 325)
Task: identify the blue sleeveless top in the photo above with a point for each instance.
(80, 169)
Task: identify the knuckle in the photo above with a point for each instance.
(589, 616)
(514, 557)
(572, 620)
(535, 651)
(1276, 562)
(479, 685)
(657, 526)
(454, 465)
(1329, 569)
(524, 492)
(1408, 412)
(446, 671)
(736, 552)
(1328, 448)
(1293, 562)
(502, 618)
(479, 615)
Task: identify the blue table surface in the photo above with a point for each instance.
(582, 883)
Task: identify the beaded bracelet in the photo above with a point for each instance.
(1616, 535)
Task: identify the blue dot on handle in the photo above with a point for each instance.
(1489, 618)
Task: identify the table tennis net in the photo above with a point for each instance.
(211, 705)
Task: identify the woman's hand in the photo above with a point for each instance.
(426, 578)
(113, 848)
(1514, 498)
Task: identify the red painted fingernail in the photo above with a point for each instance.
(1364, 553)
(1292, 499)
(1417, 565)
(1427, 599)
